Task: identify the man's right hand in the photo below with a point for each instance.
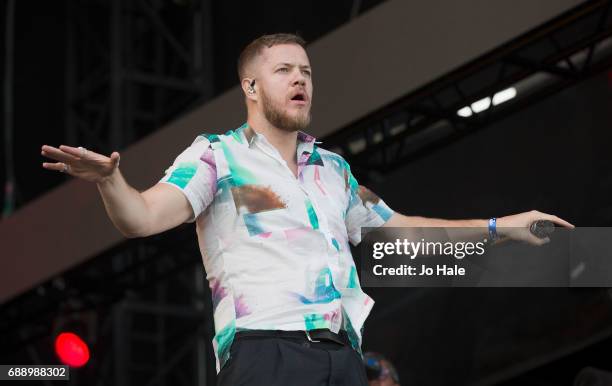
(81, 163)
(133, 213)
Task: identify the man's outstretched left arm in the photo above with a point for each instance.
(515, 226)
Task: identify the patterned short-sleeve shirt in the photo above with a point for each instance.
(275, 246)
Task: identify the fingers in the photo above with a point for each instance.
(57, 166)
(560, 221)
(537, 241)
(115, 158)
(78, 152)
(556, 220)
(57, 154)
(523, 234)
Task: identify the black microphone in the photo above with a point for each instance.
(542, 228)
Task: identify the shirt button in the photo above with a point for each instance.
(306, 344)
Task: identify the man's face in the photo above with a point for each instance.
(284, 82)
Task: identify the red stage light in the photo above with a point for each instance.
(71, 349)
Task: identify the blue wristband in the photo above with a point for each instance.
(492, 229)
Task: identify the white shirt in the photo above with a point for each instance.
(275, 247)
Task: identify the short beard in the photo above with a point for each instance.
(280, 120)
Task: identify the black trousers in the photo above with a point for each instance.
(291, 362)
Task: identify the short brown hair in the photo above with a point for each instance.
(256, 46)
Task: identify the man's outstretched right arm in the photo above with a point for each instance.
(136, 214)
(133, 213)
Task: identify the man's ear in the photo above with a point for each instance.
(248, 88)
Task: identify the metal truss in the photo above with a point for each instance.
(158, 342)
(570, 48)
(131, 65)
(150, 298)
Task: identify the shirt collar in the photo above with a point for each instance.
(305, 140)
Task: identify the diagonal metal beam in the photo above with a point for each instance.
(164, 31)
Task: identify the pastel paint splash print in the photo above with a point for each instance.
(276, 248)
(324, 291)
(183, 174)
(217, 291)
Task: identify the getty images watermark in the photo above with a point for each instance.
(467, 257)
(413, 249)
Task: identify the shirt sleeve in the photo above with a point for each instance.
(195, 174)
(364, 210)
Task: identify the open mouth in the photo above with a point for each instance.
(299, 98)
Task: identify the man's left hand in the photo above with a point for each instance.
(516, 227)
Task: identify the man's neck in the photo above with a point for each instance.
(284, 141)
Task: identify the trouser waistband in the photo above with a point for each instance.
(316, 335)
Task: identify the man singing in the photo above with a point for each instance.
(275, 214)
